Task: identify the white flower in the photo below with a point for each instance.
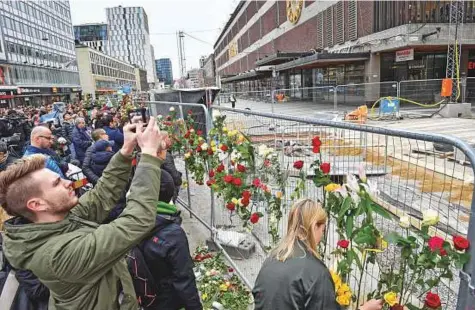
(356, 198)
(430, 217)
(352, 183)
(342, 191)
(159, 116)
(235, 155)
(264, 150)
(172, 109)
(272, 220)
(204, 146)
(372, 189)
(362, 173)
(405, 221)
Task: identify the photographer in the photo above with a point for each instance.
(6, 159)
(58, 237)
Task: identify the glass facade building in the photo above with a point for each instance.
(92, 35)
(129, 38)
(164, 70)
(38, 42)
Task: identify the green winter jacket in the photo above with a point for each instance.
(80, 261)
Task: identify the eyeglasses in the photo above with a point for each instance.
(48, 138)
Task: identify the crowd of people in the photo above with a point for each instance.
(67, 252)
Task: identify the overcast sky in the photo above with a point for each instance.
(203, 19)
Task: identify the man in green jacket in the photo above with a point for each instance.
(58, 237)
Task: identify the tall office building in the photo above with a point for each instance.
(37, 56)
(164, 70)
(129, 38)
(92, 35)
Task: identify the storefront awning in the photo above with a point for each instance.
(322, 60)
(8, 87)
(243, 76)
(279, 58)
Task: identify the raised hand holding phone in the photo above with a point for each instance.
(152, 140)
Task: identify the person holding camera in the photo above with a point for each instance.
(58, 236)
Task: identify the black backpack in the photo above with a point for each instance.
(145, 287)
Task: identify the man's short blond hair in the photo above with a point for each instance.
(96, 134)
(17, 186)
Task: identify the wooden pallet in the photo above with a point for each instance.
(461, 162)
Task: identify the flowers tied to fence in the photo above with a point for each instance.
(242, 174)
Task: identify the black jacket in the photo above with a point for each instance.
(302, 282)
(10, 160)
(169, 166)
(167, 254)
(67, 131)
(87, 166)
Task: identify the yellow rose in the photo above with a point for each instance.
(390, 298)
(213, 143)
(232, 133)
(336, 279)
(235, 201)
(343, 289)
(223, 287)
(332, 187)
(187, 155)
(204, 296)
(344, 300)
(241, 138)
(278, 194)
(225, 129)
(214, 148)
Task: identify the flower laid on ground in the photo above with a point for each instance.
(391, 298)
(217, 283)
(432, 301)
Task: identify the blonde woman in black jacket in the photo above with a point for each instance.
(293, 277)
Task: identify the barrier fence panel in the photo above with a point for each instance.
(410, 176)
(246, 98)
(406, 176)
(421, 91)
(354, 95)
(300, 101)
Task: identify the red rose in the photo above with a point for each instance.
(224, 147)
(298, 164)
(245, 201)
(397, 307)
(198, 258)
(167, 123)
(432, 301)
(210, 151)
(199, 132)
(241, 168)
(246, 194)
(343, 244)
(325, 167)
(187, 134)
(210, 182)
(436, 245)
(254, 218)
(267, 163)
(220, 168)
(228, 178)
(198, 149)
(256, 182)
(230, 206)
(230, 269)
(237, 181)
(169, 118)
(190, 112)
(460, 243)
(316, 141)
(211, 173)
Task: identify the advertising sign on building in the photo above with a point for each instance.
(405, 55)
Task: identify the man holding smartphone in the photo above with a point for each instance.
(58, 236)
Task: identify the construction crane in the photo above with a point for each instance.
(454, 49)
(180, 36)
